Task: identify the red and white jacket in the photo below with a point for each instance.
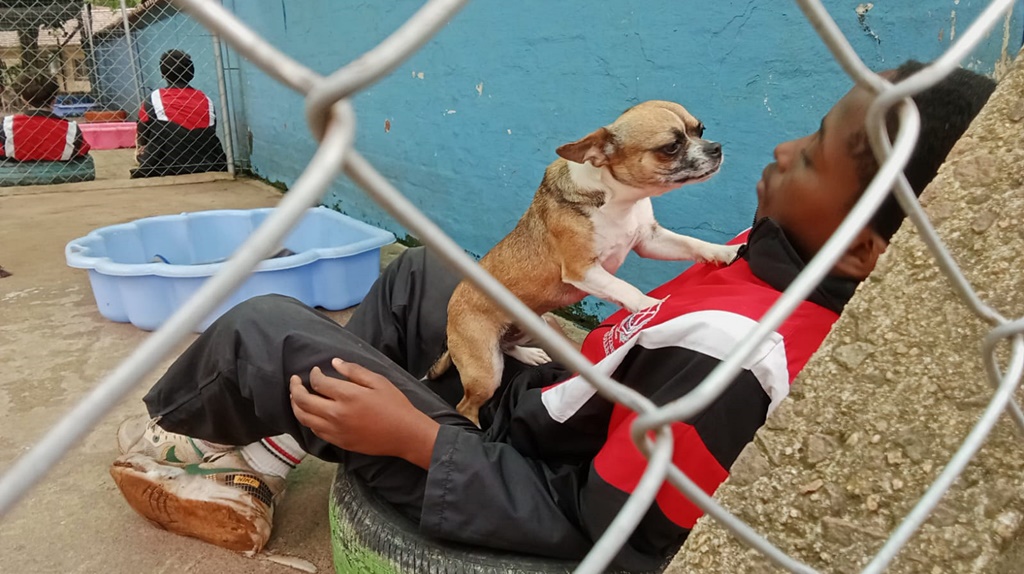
(186, 107)
(39, 135)
(557, 462)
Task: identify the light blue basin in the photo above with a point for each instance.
(143, 271)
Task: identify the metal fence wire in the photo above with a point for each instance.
(83, 79)
(331, 120)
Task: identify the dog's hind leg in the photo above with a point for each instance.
(480, 364)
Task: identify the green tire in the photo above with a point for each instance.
(47, 172)
(370, 537)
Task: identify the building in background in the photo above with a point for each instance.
(51, 37)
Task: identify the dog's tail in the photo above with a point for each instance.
(443, 363)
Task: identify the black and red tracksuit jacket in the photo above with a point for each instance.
(40, 135)
(557, 463)
(177, 132)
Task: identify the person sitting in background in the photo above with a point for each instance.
(39, 134)
(177, 130)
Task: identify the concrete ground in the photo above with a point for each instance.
(54, 347)
(113, 164)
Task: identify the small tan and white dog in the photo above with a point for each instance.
(592, 208)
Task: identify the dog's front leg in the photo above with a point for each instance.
(670, 246)
(597, 281)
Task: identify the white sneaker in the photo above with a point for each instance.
(142, 435)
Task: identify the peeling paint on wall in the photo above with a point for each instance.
(862, 12)
(480, 89)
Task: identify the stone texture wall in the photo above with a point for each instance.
(896, 387)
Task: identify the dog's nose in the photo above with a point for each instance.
(713, 149)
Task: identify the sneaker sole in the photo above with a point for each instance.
(219, 517)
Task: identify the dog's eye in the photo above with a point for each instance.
(670, 149)
(700, 130)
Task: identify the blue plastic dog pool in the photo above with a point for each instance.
(142, 271)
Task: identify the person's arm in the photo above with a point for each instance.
(366, 414)
(477, 492)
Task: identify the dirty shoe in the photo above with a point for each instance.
(142, 435)
(222, 500)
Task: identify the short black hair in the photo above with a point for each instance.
(176, 67)
(946, 109)
(36, 88)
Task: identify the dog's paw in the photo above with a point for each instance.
(642, 303)
(532, 356)
(721, 254)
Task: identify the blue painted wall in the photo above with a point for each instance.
(477, 114)
(112, 87)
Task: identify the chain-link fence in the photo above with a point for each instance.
(331, 119)
(123, 88)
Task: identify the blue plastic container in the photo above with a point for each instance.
(73, 105)
(71, 110)
(141, 272)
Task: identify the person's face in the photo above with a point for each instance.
(814, 181)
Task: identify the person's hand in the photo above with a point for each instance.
(365, 414)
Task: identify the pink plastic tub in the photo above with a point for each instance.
(109, 135)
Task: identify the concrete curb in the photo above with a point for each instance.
(111, 184)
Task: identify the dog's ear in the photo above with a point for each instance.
(594, 148)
